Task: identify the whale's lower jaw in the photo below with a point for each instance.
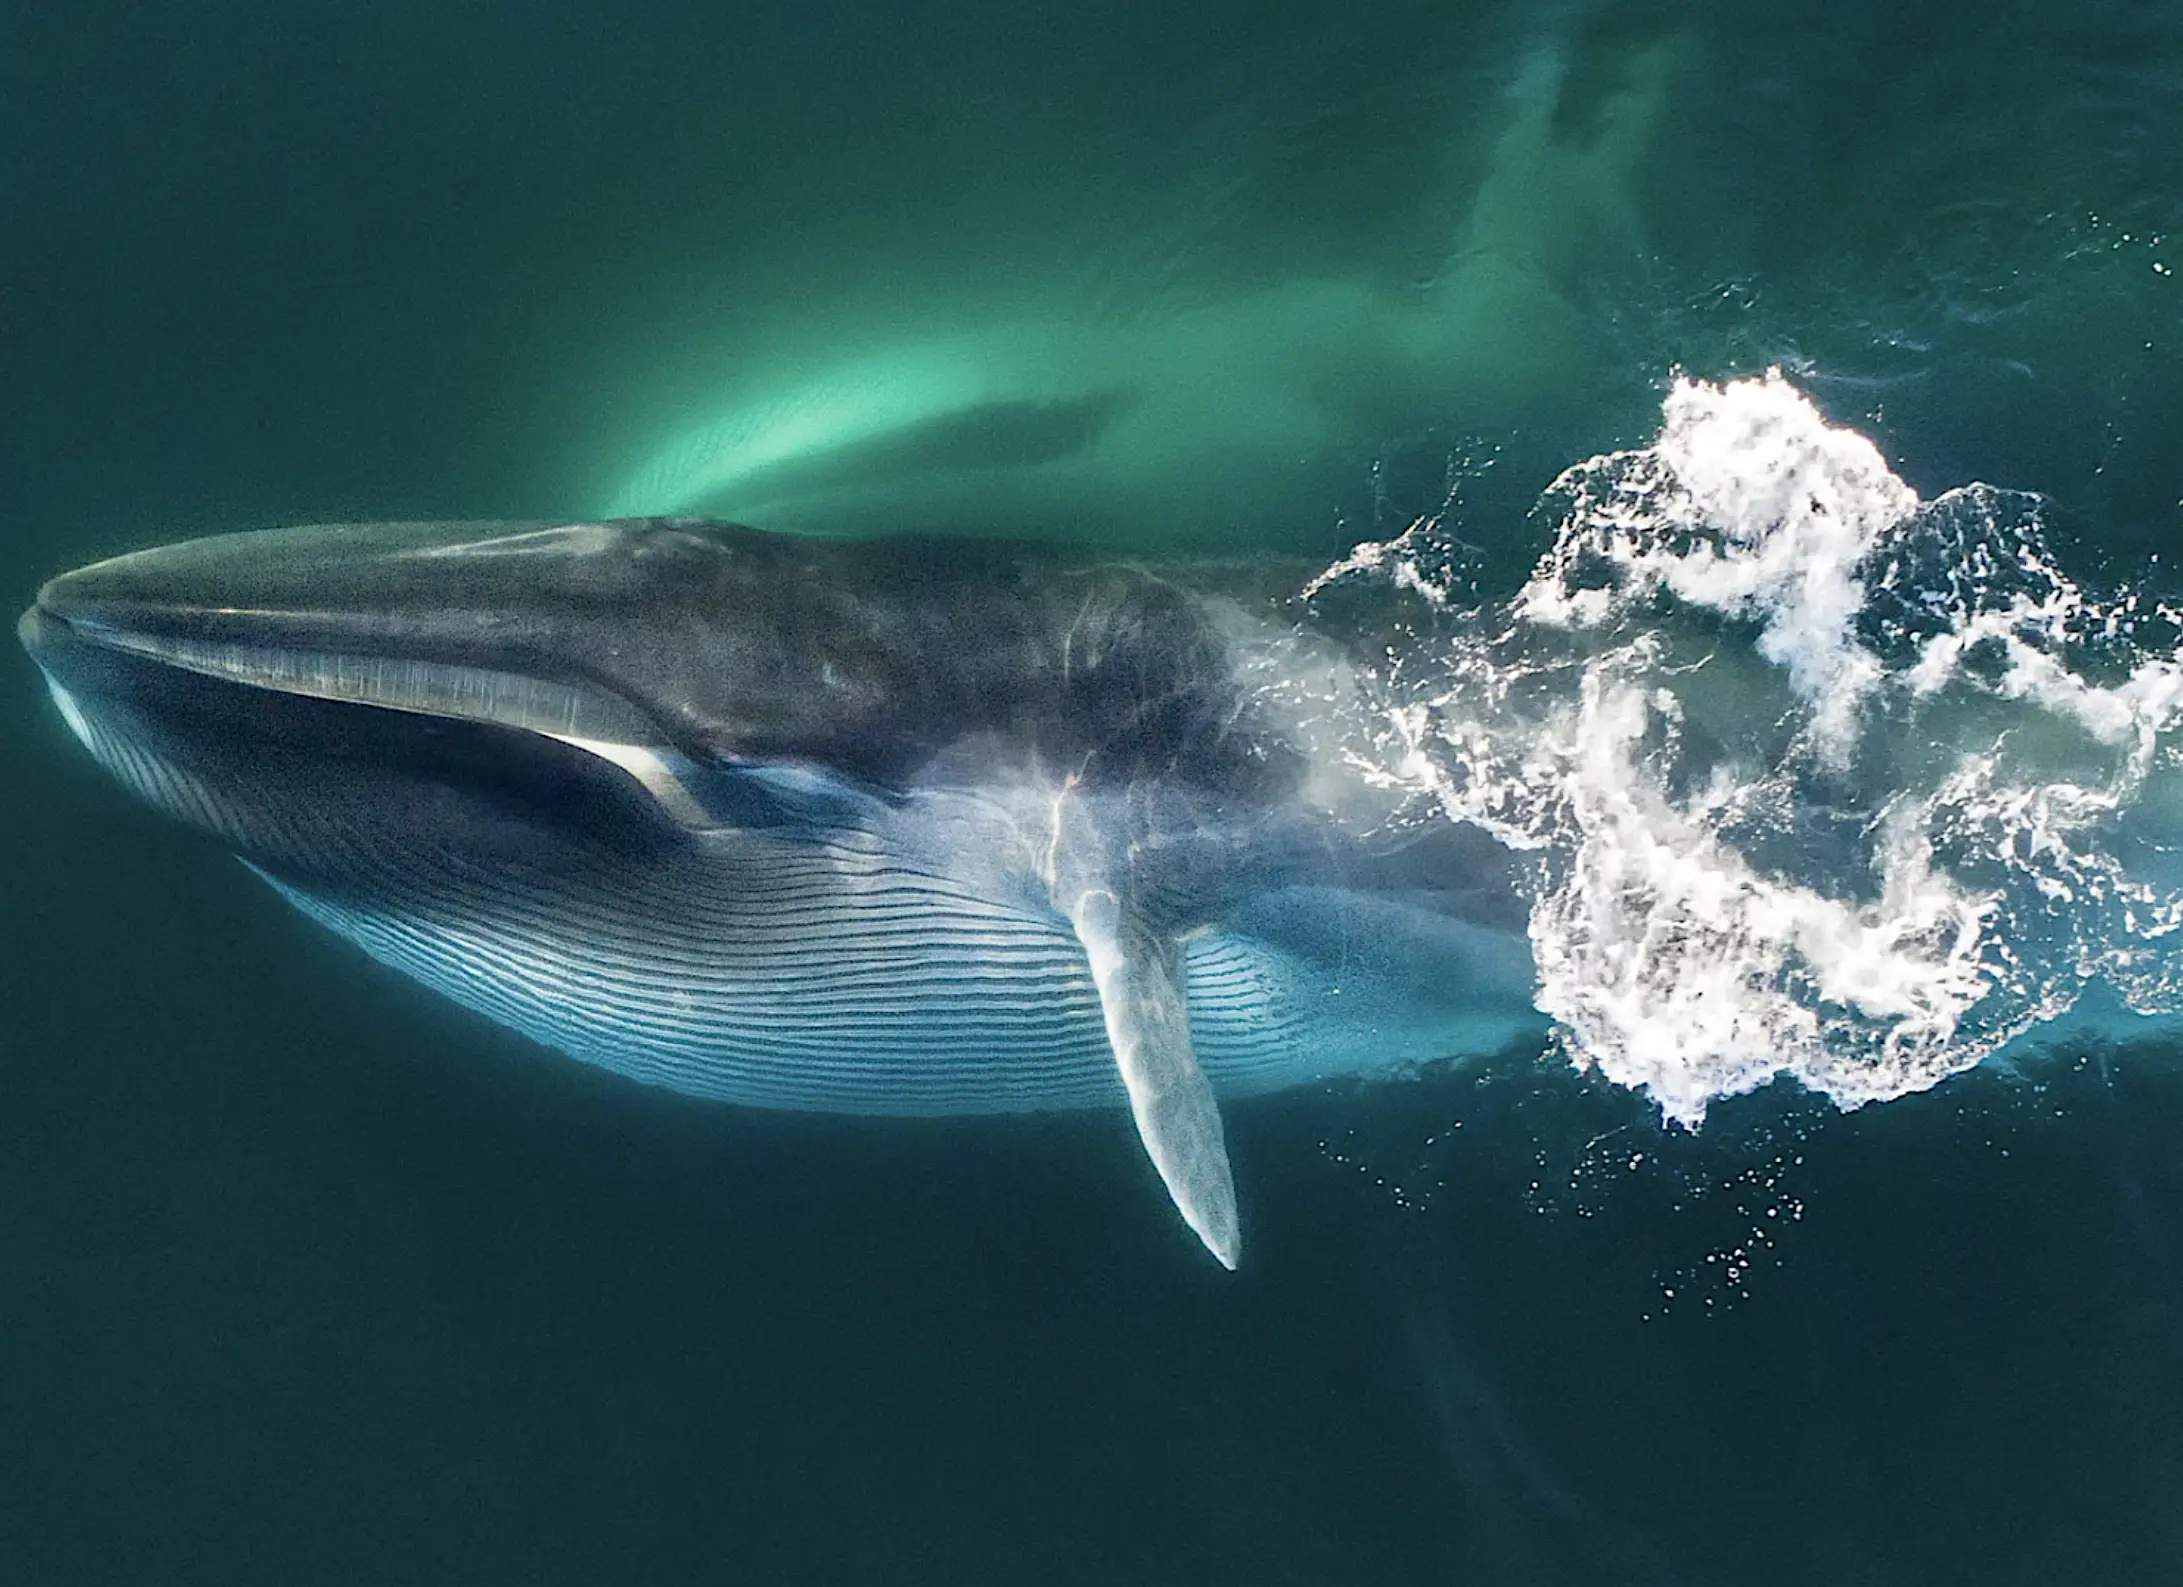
(889, 996)
(831, 971)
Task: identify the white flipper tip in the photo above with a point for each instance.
(1225, 1241)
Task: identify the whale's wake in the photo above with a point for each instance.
(1815, 777)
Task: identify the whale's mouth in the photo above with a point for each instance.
(369, 615)
(583, 717)
(304, 643)
(395, 683)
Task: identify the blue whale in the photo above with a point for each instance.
(894, 826)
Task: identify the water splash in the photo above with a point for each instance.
(1815, 778)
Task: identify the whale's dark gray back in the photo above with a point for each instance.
(903, 651)
(873, 658)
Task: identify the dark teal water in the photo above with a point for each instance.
(305, 1277)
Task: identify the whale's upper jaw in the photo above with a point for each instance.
(621, 639)
(550, 628)
(339, 615)
(873, 660)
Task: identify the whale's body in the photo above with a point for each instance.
(897, 827)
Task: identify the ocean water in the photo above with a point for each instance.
(1749, 437)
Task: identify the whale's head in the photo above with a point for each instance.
(306, 689)
(301, 691)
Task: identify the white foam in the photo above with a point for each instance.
(1819, 780)
(1748, 505)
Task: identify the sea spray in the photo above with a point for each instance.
(1812, 777)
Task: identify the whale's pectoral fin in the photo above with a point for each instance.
(1139, 973)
